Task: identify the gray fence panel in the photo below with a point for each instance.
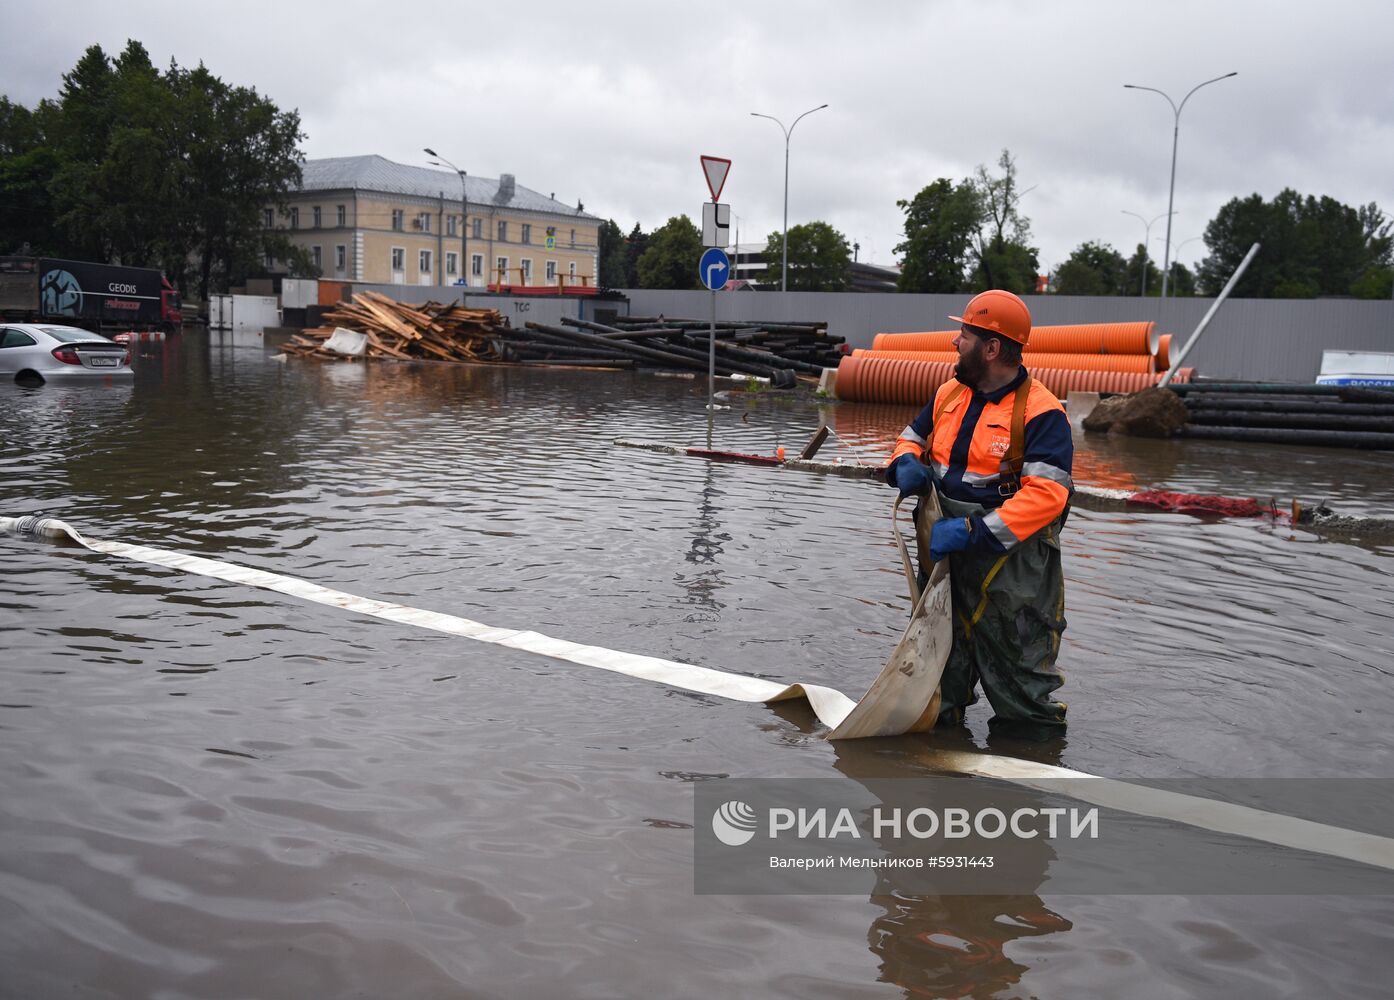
(1277, 340)
(517, 309)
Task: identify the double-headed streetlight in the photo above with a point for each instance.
(1146, 243)
(1176, 131)
(464, 211)
(784, 267)
(1177, 259)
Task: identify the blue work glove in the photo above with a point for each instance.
(909, 475)
(948, 535)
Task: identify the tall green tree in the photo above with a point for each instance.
(249, 158)
(1005, 258)
(1133, 282)
(611, 250)
(80, 136)
(1309, 247)
(969, 236)
(819, 258)
(941, 223)
(1092, 269)
(137, 166)
(27, 166)
(1181, 283)
(634, 246)
(671, 259)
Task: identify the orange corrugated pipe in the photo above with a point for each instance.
(1079, 338)
(1163, 358)
(932, 340)
(887, 380)
(874, 380)
(1077, 362)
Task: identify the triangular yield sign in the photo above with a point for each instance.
(716, 170)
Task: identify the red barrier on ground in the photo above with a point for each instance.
(1203, 503)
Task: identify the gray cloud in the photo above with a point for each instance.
(612, 103)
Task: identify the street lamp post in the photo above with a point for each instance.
(1175, 133)
(784, 266)
(1177, 259)
(464, 214)
(1146, 244)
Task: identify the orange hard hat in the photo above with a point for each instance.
(1000, 312)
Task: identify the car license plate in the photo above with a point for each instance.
(105, 362)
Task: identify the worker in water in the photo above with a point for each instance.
(995, 443)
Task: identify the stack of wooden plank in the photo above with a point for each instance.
(781, 352)
(407, 332)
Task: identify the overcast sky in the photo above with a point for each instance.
(612, 103)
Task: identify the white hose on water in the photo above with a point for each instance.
(831, 706)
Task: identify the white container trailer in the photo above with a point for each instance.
(1356, 368)
(298, 293)
(243, 312)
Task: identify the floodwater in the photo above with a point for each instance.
(215, 791)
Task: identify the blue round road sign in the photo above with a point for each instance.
(715, 268)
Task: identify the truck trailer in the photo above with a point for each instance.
(92, 296)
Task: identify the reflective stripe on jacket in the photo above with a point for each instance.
(968, 447)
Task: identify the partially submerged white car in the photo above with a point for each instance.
(41, 351)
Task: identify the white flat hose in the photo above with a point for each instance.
(832, 707)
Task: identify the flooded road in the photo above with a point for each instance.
(215, 791)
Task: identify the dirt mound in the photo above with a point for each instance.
(1151, 413)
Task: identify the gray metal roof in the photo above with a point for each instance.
(377, 173)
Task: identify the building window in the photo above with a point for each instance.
(551, 272)
(268, 217)
(573, 237)
(476, 264)
(314, 217)
(571, 270)
(450, 226)
(477, 230)
(397, 219)
(295, 218)
(452, 261)
(315, 258)
(525, 266)
(268, 262)
(340, 257)
(501, 269)
(424, 259)
(527, 233)
(398, 258)
(340, 216)
(423, 222)
(503, 231)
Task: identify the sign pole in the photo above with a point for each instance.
(715, 267)
(711, 373)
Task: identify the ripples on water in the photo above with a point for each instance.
(215, 791)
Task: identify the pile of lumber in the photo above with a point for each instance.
(407, 332)
(780, 352)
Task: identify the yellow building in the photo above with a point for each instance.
(367, 219)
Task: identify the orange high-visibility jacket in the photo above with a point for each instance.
(967, 448)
